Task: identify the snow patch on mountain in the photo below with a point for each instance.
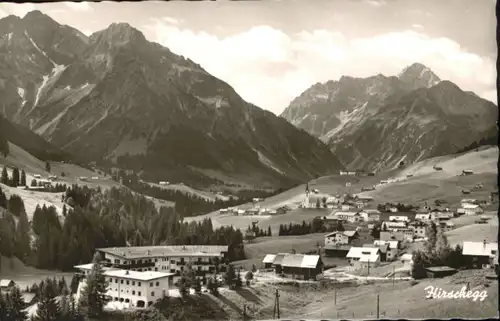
(216, 101)
(346, 118)
(267, 162)
(38, 48)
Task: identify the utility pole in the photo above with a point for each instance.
(378, 306)
(277, 303)
(244, 311)
(335, 297)
(393, 275)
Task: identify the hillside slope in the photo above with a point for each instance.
(425, 186)
(379, 122)
(116, 96)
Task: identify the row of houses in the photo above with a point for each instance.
(254, 211)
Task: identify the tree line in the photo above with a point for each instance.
(111, 218)
(188, 204)
(315, 226)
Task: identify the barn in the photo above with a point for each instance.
(6, 284)
(302, 266)
(439, 271)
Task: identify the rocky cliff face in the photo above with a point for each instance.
(378, 122)
(116, 96)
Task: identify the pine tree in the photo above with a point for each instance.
(47, 167)
(33, 183)
(92, 299)
(230, 275)
(48, 309)
(5, 176)
(23, 242)
(15, 177)
(65, 210)
(16, 305)
(3, 307)
(431, 238)
(269, 231)
(23, 178)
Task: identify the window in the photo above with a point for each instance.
(117, 261)
(152, 294)
(133, 292)
(172, 261)
(139, 293)
(156, 269)
(116, 280)
(133, 282)
(151, 284)
(139, 284)
(128, 282)
(172, 270)
(156, 260)
(121, 281)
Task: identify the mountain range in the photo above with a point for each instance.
(116, 97)
(379, 123)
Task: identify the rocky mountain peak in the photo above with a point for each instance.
(418, 75)
(118, 34)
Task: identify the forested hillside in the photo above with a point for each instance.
(110, 218)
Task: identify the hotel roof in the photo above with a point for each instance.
(136, 275)
(167, 250)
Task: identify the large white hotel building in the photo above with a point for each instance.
(142, 275)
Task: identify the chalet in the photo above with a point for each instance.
(393, 248)
(437, 168)
(362, 257)
(6, 284)
(343, 173)
(471, 209)
(351, 217)
(95, 178)
(163, 183)
(268, 261)
(338, 237)
(37, 176)
(359, 204)
(384, 249)
(467, 172)
(366, 189)
(446, 226)
(439, 271)
(240, 212)
(370, 215)
(331, 200)
(252, 211)
(302, 266)
(351, 173)
(443, 216)
(223, 210)
(346, 207)
(482, 254)
(409, 234)
(465, 191)
(399, 218)
(423, 217)
(419, 228)
(394, 225)
(330, 222)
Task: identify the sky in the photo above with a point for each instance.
(271, 51)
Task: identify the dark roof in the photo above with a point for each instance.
(440, 269)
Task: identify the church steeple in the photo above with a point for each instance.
(307, 188)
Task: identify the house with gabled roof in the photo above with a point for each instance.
(481, 254)
(361, 257)
(340, 237)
